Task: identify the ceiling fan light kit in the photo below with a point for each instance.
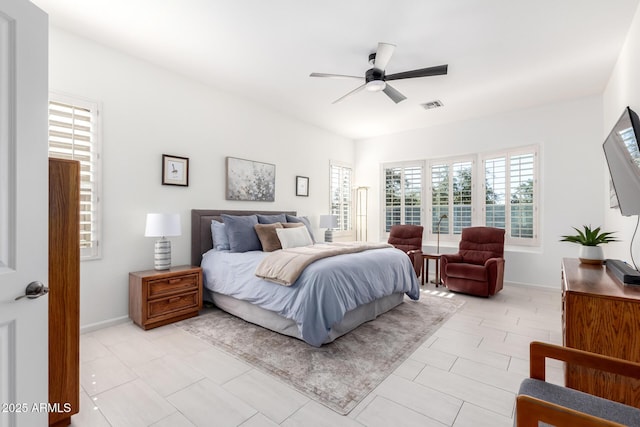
(376, 79)
(376, 85)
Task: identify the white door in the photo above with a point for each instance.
(23, 213)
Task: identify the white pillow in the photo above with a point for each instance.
(294, 237)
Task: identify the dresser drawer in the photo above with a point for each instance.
(171, 285)
(164, 306)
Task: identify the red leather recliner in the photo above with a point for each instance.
(408, 238)
(478, 267)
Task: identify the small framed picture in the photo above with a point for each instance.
(302, 186)
(175, 170)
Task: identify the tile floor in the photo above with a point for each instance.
(466, 374)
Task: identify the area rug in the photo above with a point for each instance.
(339, 374)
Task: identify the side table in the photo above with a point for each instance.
(159, 297)
(425, 268)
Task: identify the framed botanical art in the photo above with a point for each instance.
(302, 186)
(250, 180)
(175, 170)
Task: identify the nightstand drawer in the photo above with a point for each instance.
(164, 306)
(172, 285)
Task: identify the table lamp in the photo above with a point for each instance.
(162, 225)
(329, 222)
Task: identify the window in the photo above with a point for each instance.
(510, 194)
(402, 194)
(341, 198)
(74, 135)
(451, 196)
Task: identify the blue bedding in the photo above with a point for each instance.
(323, 293)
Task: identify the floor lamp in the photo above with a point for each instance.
(443, 216)
(362, 199)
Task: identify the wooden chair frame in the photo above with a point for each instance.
(530, 410)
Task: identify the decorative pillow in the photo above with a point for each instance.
(268, 236)
(305, 221)
(242, 236)
(219, 236)
(271, 219)
(294, 237)
(292, 224)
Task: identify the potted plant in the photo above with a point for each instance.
(589, 239)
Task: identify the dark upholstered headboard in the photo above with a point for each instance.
(201, 240)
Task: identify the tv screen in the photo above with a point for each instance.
(623, 158)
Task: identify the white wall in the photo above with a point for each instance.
(148, 111)
(569, 135)
(623, 90)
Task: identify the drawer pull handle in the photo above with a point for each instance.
(174, 299)
(177, 280)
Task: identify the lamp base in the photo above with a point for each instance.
(162, 255)
(328, 236)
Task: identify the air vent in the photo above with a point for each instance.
(432, 104)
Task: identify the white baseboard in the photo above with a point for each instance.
(104, 324)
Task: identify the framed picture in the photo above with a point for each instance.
(249, 180)
(302, 186)
(175, 170)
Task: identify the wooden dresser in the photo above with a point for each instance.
(600, 315)
(64, 290)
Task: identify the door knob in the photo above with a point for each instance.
(34, 290)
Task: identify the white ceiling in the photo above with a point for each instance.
(502, 54)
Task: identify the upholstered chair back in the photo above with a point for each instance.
(478, 244)
(406, 237)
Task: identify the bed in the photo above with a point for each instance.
(353, 288)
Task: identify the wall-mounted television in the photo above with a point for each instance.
(623, 158)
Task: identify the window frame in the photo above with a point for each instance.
(93, 252)
(508, 154)
(450, 162)
(403, 165)
(342, 230)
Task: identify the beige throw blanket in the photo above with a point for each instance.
(284, 266)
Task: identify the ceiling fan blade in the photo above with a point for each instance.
(335, 76)
(383, 55)
(356, 90)
(422, 72)
(393, 94)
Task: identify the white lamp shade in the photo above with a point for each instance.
(328, 221)
(162, 225)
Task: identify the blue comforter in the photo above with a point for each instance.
(323, 293)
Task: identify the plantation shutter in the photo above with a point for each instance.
(73, 135)
(402, 195)
(341, 198)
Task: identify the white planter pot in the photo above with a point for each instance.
(591, 255)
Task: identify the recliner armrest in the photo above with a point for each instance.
(493, 261)
(452, 257)
(414, 252)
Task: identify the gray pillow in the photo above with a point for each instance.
(271, 219)
(242, 236)
(305, 221)
(219, 236)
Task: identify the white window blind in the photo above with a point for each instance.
(341, 177)
(510, 194)
(402, 194)
(73, 135)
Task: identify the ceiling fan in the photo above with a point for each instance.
(376, 79)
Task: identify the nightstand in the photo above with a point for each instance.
(159, 297)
